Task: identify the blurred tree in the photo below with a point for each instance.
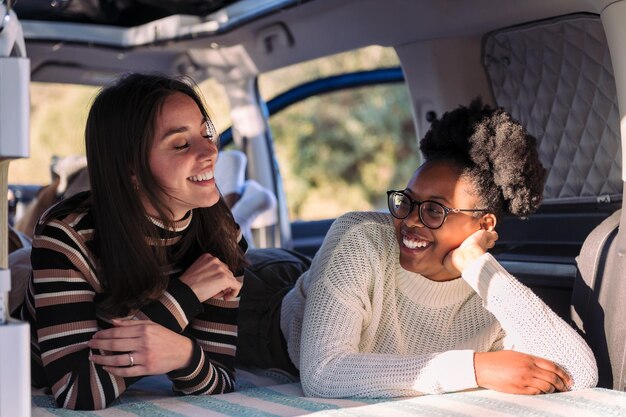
(57, 124)
(58, 113)
(342, 151)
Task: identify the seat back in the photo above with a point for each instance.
(598, 298)
(556, 78)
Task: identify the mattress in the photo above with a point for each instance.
(262, 393)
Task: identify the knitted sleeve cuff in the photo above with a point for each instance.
(194, 367)
(448, 372)
(480, 273)
(176, 307)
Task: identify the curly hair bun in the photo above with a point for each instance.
(495, 151)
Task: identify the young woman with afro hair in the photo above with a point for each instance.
(411, 302)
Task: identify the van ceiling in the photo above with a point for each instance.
(125, 13)
(273, 33)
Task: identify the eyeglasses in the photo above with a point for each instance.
(431, 213)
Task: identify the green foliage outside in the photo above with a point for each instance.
(58, 113)
(337, 152)
(57, 124)
(341, 152)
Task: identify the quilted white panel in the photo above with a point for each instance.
(556, 77)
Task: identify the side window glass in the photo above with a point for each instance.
(57, 125)
(340, 152)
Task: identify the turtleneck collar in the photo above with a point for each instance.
(178, 225)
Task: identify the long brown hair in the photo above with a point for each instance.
(118, 138)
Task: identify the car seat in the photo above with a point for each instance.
(556, 77)
(598, 297)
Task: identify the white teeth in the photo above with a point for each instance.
(202, 177)
(412, 244)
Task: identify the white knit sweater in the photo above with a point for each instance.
(358, 324)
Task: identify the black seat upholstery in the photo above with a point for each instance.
(598, 301)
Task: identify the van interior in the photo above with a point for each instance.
(558, 66)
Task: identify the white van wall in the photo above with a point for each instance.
(442, 74)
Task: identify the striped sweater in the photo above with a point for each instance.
(64, 306)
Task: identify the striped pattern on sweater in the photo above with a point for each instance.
(64, 306)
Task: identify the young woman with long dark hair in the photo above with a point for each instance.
(139, 275)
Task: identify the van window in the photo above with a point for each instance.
(341, 151)
(57, 125)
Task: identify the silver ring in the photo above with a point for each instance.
(132, 360)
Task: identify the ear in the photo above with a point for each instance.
(133, 180)
(488, 222)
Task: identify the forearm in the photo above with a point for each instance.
(211, 368)
(380, 375)
(61, 299)
(174, 309)
(65, 324)
(86, 386)
(202, 376)
(530, 325)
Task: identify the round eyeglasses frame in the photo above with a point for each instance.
(391, 194)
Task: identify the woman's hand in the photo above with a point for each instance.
(154, 349)
(471, 249)
(519, 373)
(208, 277)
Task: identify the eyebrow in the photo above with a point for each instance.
(181, 129)
(437, 197)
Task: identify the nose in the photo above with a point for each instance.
(413, 219)
(206, 150)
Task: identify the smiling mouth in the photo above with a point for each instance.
(206, 176)
(415, 243)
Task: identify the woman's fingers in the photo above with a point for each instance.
(543, 386)
(232, 288)
(229, 294)
(492, 237)
(121, 364)
(484, 239)
(551, 372)
(140, 348)
(116, 360)
(127, 372)
(208, 277)
(126, 336)
(129, 323)
(519, 373)
(471, 249)
(122, 329)
(116, 345)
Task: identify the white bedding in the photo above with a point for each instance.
(270, 394)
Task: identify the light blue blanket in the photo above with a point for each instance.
(271, 394)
